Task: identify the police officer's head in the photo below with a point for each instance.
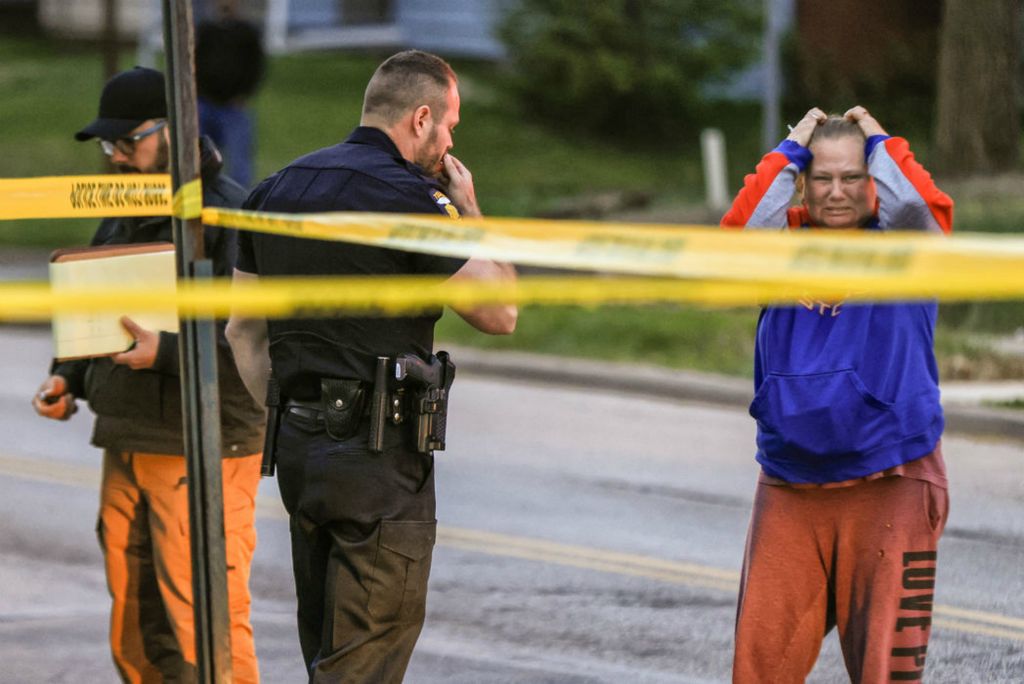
(414, 98)
(132, 123)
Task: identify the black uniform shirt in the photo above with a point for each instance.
(364, 173)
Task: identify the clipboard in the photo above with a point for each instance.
(143, 266)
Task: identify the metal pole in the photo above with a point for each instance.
(770, 96)
(197, 347)
(110, 39)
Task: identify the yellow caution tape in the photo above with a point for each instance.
(801, 263)
(989, 262)
(188, 201)
(85, 196)
(98, 197)
(311, 297)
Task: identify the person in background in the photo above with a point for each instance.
(230, 66)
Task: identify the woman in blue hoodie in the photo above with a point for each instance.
(851, 499)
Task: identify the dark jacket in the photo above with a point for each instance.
(366, 172)
(140, 410)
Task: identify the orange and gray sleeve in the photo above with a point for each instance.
(907, 196)
(764, 200)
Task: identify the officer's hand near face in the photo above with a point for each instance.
(142, 354)
(460, 186)
(801, 133)
(867, 123)
(53, 399)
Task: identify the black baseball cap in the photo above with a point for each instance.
(128, 99)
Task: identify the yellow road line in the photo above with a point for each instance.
(545, 551)
(50, 472)
(960, 626)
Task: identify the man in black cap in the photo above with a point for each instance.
(136, 396)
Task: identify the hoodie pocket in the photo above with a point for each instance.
(823, 414)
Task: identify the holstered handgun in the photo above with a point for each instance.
(431, 383)
(273, 425)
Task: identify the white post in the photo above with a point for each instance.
(712, 146)
(275, 32)
(151, 34)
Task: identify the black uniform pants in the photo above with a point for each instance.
(362, 528)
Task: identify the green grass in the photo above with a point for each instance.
(313, 100)
(1004, 214)
(1014, 404)
(49, 93)
(674, 336)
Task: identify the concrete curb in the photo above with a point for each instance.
(680, 385)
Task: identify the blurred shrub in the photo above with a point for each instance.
(628, 68)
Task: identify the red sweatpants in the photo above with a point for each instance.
(860, 558)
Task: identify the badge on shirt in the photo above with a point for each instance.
(442, 201)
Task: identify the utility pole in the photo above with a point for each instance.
(110, 39)
(197, 348)
(777, 18)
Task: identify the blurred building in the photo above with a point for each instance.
(450, 27)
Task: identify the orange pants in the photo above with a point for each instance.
(143, 530)
(858, 558)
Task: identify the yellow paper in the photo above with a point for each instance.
(128, 268)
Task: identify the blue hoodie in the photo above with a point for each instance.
(844, 390)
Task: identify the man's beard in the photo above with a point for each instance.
(160, 165)
(428, 159)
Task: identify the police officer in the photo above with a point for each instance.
(362, 520)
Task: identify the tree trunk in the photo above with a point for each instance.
(977, 123)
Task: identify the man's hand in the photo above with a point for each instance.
(142, 354)
(53, 399)
(867, 123)
(460, 186)
(802, 132)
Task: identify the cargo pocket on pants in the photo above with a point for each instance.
(398, 585)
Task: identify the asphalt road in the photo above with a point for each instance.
(585, 536)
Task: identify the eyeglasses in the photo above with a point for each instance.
(126, 145)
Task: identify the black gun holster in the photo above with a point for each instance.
(429, 384)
